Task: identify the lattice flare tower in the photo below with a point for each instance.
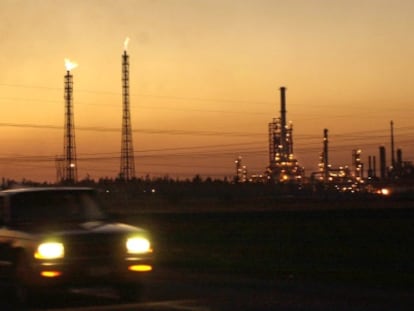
(70, 165)
(127, 171)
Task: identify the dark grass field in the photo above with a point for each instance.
(347, 242)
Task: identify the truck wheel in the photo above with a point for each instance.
(20, 289)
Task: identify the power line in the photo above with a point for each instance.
(147, 131)
(239, 148)
(140, 106)
(189, 98)
(349, 135)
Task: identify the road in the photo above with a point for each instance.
(355, 245)
(182, 290)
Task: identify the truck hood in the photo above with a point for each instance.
(98, 227)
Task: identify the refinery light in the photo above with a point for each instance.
(385, 191)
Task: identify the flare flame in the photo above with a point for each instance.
(126, 42)
(70, 65)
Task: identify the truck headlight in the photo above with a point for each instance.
(50, 250)
(138, 245)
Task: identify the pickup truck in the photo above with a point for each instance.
(61, 237)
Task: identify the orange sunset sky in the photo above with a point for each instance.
(205, 78)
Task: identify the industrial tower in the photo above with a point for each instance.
(392, 145)
(69, 153)
(324, 166)
(127, 150)
(283, 167)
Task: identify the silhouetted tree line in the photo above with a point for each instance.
(197, 191)
(174, 191)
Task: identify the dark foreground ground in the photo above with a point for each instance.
(362, 245)
(339, 256)
(181, 289)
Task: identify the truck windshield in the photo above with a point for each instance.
(54, 207)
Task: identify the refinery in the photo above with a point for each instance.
(283, 168)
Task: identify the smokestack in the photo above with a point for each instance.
(325, 155)
(283, 112)
(374, 166)
(392, 145)
(383, 165)
(399, 158)
(283, 123)
(370, 175)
